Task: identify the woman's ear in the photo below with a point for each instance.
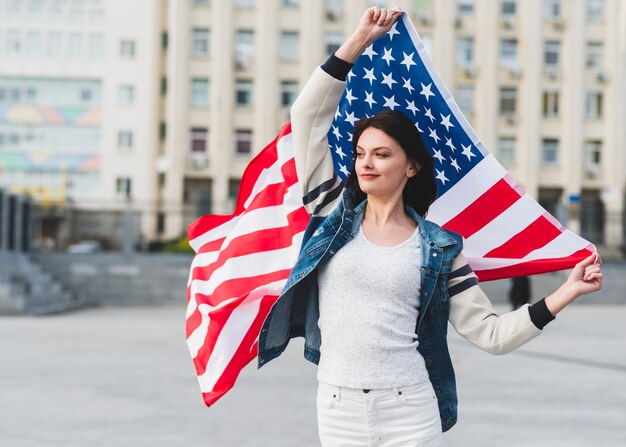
(414, 168)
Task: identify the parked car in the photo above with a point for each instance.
(84, 247)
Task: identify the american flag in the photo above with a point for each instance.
(243, 260)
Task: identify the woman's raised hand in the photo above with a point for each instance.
(374, 23)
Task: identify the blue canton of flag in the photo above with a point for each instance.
(391, 75)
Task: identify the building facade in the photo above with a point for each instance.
(185, 92)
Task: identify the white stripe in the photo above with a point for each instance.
(475, 183)
(502, 228)
(232, 334)
(566, 244)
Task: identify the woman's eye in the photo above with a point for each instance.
(382, 155)
(359, 154)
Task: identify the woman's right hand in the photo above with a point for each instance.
(374, 23)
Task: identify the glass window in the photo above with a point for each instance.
(508, 100)
(288, 93)
(244, 3)
(85, 95)
(233, 191)
(508, 53)
(123, 187)
(160, 223)
(162, 131)
(55, 46)
(199, 140)
(465, 98)
(291, 3)
(243, 92)
(125, 139)
(163, 86)
(244, 47)
(76, 46)
(550, 152)
(289, 43)
(164, 40)
(34, 44)
(126, 95)
(506, 151)
(96, 47)
(552, 9)
(593, 157)
(465, 7)
(423, 7)
(13, 43)
(508, 8)
(243, 142)
(465, 51)
(334, 39)
(334, 8)
(595, 10)
(200, 42)
(200, 92)
(201, 2)
(550, 103)
(551, 53)
(127, 49)
(595, 59)
(593, 105)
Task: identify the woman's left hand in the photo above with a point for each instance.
(586, 276)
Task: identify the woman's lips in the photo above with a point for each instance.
(368, 176)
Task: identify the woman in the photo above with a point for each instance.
(376, 284)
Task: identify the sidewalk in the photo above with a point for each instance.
(123, 377)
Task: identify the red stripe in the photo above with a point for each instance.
(534, 267)
(484, 209)
(533, 237)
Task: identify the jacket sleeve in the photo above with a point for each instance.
(473, 315)
(311, 118)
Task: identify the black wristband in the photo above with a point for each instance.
(539, 314)
(337, 68)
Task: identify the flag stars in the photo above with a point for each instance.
(338, 113)
(454, 164)
(467, 151)
(417, 125)
(438, 156)
(393, 31)
(429, 114)
(449, 144)
(350, 75)
(387, 57)
(433, 135)
(445, 121)
(336, 132)
(441, 176)
(351, 118)
(344, 170)
(426, 91)
(349, 96)
(408, 60)
(388, 80)
(339, 151)
(369, 74)
(410, 105)
(407, 85)
(390, 102)
(369, 51)
(369, 98)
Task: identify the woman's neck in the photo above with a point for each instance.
(382, 212)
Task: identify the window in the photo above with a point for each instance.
(423, 7)
(508, 8)
(244, 47)
(123, 187)
(13, 43)
(85, 95)
(33, 44)
(508, 100)
(550, 103)
(289, 43)
(164, 40)
(55, 50)
(162, 131)
(244, 3)
(127, 49)
(593, 158)
(595, 10)
(160, 223)
(465, 51)
(199, 139)
(595, 60)
(288, 92)
(96, 47)
(75, 46)
(551, 53)
(465, 98)
(550, 152)
(200, 42)
(163, 86)
(506, 151)
(593, 105)
(508, 53)
(125, 139)
(243, 142)
(201, 2)
(199, 92)
(233, 191)
(465, 7)
(333, 8)
(552, 9)
(291, 3)
(334, 40)
(126, 95)
(243, 92)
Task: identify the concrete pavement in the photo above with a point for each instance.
(123, 377)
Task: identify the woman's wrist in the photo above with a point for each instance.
(352, 48)
(557, 301)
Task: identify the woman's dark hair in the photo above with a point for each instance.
(420, 190)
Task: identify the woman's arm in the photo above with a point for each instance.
(313, 111)
(473, 315)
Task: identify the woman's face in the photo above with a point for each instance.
(382, 167)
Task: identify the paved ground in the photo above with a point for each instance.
(123, 377)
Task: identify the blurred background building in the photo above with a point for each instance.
(148, 111)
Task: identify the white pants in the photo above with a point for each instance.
(405, 416)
